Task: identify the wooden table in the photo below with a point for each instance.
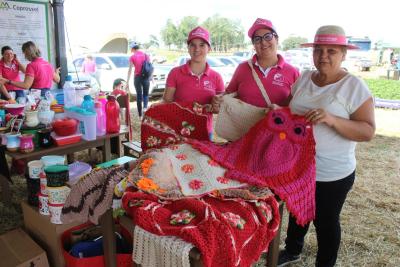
(104, 142)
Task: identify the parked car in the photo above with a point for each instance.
(111, 66)
(232, 61)
(299, 58)
(357, 61)
(216, 64)
(245, 54)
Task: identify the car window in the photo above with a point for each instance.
(213, 62)
(225, 61)
(120, 61)
(100, 61)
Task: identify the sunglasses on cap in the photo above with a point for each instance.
(266, 37)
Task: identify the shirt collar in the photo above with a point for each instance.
(186, 69)
(279, 64)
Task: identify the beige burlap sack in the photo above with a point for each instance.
(236, 117)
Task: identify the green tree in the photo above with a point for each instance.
(293, 42)
(169, 34)
(154, 41)
(185, 26)
(225, 33)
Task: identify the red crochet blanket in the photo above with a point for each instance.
(278, 152)
(171, 123)
(228, 232)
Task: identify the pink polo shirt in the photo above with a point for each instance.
(190, 87)
(42, 73)
(88, 67)
(137, 60)
(10, 72)
(278, 82)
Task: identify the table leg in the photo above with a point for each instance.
(5, 178)
(6, 194)
(273, 250)
(107, 150)
(108, 228)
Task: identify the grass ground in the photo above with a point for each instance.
(371, 214)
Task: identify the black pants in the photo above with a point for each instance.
(329, 197)
(142, 86)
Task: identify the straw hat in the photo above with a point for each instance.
(330, 35)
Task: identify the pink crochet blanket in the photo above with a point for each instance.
(171, 123)
(228, 232)
(278, 152)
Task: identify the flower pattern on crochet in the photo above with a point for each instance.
(174, 147)
(181, 156)
(196, 184)
(234, 220)
(147, 184)
(170, 140)
(222, 180)
(182, 217)
(213, 163)
(187, 168)
(146, 164)
(265, 209)
(152, 141)
(187, 128)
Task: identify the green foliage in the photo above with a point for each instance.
(385, 89)
(225, 33)
(293, 42)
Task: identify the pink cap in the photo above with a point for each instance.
(260, 24)
(330, 35)
(199, 33)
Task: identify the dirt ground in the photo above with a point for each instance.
(370, 217)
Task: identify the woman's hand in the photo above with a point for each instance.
(3, 80)
(319, 115)
(216, 103)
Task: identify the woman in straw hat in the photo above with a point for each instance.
(195, 81)
(341, 108)
(276, 75)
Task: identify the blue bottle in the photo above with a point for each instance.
(88, 103)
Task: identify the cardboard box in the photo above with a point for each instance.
(17, 249)
(45, 233)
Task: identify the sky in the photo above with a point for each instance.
(90, 22)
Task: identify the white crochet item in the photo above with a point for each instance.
(150, 250)
(196, 173)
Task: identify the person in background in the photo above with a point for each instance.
(89, 66)
(341, 108)
(39, 73)
(276, 75)
(9, 69)
(119, 87)
(195, 81)
(142, 84)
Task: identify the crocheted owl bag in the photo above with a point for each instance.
(279, 153)
(171, 123)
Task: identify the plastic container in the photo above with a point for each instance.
(52, 160)
(69, 92)
(87, 122)
(88, 103)
(102, 98)
(100, 119)
(112, 115)
(66, 140)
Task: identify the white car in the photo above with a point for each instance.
(110, 66)
(216, 64)
(232, 61)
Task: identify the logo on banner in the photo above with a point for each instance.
(4, 5)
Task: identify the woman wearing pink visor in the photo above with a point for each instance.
(275, 74)
(195, 81)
